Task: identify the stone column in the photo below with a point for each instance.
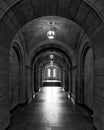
(29, 84)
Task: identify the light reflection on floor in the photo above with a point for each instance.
(51, 95)
(51, 110)
(51, 106)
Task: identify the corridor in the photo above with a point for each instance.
(51, 109)
(46, 43)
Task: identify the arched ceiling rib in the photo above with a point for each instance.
(49, 7)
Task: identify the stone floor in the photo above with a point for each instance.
(51, 110)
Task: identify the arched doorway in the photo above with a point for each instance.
(15, 77)
(88, 77)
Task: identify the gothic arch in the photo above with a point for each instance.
(16, 87)
(86, 53)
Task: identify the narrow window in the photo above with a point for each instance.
(49, 73)
(54, 73)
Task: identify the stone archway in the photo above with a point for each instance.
(15, 76)
(87, 74)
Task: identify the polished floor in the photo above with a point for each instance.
(51, 110)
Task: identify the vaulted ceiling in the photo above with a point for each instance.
(19, 12)
(66, 31)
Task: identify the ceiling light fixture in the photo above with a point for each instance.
(51, 56)
(51, 33)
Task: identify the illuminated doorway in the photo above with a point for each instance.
(51, 75)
